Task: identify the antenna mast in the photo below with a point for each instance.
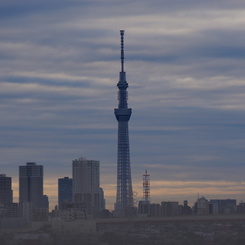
(146, 187)
(122, 50)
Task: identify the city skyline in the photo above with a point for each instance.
(185, 63)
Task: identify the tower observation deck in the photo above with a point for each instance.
(124, 199)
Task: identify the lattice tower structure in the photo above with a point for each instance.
(124, 198)
(146, 187)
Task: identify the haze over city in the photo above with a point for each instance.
(184, 61)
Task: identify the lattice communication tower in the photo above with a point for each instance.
(124, 198)
(146, 187)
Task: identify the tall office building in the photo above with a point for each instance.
(31, 184)
(124, 199)
(86, 184)
(64, 191)
(6, 193)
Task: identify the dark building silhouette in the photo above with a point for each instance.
(169, 208)
(8, 209)
(185, 209)
(241, 207)
(64, 191)
(31, 198)
(155, 210)
(6, 193)
(222, 206)
(124, 199)
(31, 184)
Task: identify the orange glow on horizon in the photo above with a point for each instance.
(159, 191)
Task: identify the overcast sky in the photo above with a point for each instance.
(185, 65)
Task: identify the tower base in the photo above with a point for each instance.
(126, 212)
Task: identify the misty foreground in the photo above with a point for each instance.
(184, 230)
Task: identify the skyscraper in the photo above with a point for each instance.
(31, 184)
(64, 191)
(6, 193)
(86, 184)
(124, 199)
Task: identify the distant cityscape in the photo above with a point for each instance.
(82, 197)
(81, 217)
(81, 214)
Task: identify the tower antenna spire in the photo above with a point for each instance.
(122, 50)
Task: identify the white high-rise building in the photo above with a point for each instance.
(202, 206)
(86, 184)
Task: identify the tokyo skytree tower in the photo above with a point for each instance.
(124, 199)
